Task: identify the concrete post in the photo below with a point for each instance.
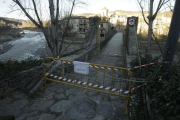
(98, 35)
(132, 23)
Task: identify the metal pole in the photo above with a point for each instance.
(172, 39)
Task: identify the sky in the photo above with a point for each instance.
(93, 6)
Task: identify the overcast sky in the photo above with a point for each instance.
(93, 6)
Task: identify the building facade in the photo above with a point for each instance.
(76, 24)
(118, 20)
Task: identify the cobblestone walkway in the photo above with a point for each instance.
(63, 102)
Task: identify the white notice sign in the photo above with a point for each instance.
(81, 67)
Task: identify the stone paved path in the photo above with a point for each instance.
(63, 102)
(112, 53)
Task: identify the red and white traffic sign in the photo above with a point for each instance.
(131, 21)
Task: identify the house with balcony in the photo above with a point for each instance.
(83, 23)
(76, 24)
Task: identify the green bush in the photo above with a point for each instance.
(11, 67)
(164, 96)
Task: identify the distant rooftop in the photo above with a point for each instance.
(104, 8)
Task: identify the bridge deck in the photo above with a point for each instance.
(112, 53)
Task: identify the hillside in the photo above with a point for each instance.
(135, 13)
(87, 14)
(121, 12)
(11, 21)
(166, 14)
(118, 12)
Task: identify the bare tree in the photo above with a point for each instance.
(56, 10)
(154, 6)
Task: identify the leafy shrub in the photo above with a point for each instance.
(164, 96)
(11, 67)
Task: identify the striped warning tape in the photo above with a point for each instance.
(107, 88)
(90, 65)
(162, 76)
(89, 84)
(137, 87)
(116, 68)
(147, 65)
(94, 85)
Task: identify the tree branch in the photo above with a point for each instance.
(62, 41)
(142, 12)
(35, 9)
(161, 3)
(57, 12)
(169, 5)
(40, 27)
(69, 17)
(158, 8)
(17, 10)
